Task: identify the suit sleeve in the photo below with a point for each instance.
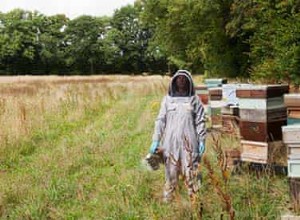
(160, 122)
(199, 120)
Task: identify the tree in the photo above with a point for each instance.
(132, 39)
(193, 34)
(17, 41)
(83, 41)
(271, 30)
(49, 49)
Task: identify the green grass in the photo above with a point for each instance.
(89, 167)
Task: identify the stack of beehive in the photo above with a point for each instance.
(292, 102)
(202, 92)
(230, 110)
(291, 139)
(215, 105)
(215, 100)
(233, 156)
(262, 113)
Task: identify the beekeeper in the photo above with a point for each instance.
(180, 134)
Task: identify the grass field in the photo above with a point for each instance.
(71, 148)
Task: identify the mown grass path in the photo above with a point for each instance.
(86, 168)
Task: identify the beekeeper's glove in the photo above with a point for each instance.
(201, 148)
(154, 147)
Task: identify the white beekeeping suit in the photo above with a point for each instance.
(180, 133)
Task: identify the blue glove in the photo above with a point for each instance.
(154, 147)
(201, 148)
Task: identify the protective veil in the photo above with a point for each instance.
(180, 127)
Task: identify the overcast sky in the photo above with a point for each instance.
(71, 8)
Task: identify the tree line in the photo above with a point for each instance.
(32, 43)
(251, 38)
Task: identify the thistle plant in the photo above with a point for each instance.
(220, 183)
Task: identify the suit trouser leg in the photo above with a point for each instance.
(171, 178)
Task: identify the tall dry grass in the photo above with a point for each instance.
(66, 140)
(25, 102)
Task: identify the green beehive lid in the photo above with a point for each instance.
(293, 121)
(215, 81)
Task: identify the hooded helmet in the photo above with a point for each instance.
(187, 74)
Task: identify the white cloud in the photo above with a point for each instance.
(71, 8)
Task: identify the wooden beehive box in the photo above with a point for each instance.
(263, 115)
(261, 91)
(264, 104)
(216, 104)
(293, 115)
(233, 156)
(230, 124)
(204, 98)
(215, 110)
(293, 112)
(293, 149)
(264, 152)
(292, 100)
(201, 89)
(215, 93)
(261, 131)
(202, 92)
(254, 151)
(262, 112)
(216, 117)
(230, 110)
(291, 134)
(294, 185)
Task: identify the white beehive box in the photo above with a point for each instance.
(216, 104)
(294, 165)
(293, 148)
(291, 134)
(229, 94)
(253, 103)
